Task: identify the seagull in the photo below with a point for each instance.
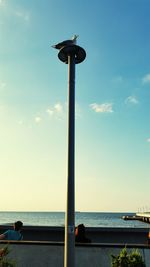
(72, 41)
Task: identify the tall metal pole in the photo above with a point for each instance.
(69, 254)
(70, 54)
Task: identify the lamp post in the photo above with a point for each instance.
(71, 54)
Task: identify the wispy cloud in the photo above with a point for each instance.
(38, 119)
(2, 85)
(131, 100)
(2, 2)
(58, 108)
(117, 79)
(20, 122)
(146, 79)
(102, 108)
(50, 111)
(11, 10)
(55, 110)
(148, 140)
(24, 15)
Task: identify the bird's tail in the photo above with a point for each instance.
(74, 38)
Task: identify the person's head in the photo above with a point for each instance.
(80, 230)
(18, 225)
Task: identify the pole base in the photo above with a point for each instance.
(72, 50)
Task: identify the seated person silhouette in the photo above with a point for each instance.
(80, 234)
(13, 234)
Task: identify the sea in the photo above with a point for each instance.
(89, 219)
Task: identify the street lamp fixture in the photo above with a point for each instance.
(71, 54)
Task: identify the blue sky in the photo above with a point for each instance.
(112, 105)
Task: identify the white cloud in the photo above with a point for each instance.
(117, 79)
(148, 140)
(58, 107)
(20, 122)
(102, 108)
(146, 78)
(132, 100)
(2, 85)
(2, 2)
(38, 119)
(57, 110)
(50, 112)
(23, 15)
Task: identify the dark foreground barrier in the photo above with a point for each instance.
(97, 235)
(51, 254)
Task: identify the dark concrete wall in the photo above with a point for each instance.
(97, 235)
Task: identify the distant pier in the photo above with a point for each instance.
(143, 217)
(130, 217)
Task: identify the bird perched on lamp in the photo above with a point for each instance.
(66, 43)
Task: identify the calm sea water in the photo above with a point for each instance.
(92, 219)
